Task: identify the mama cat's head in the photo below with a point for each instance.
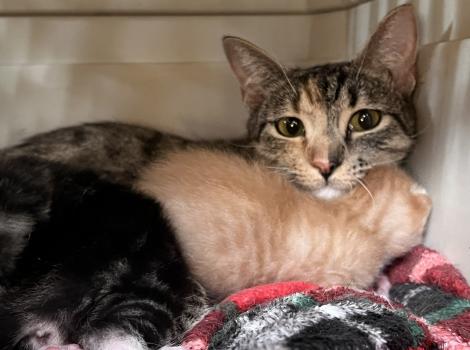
(325, 126)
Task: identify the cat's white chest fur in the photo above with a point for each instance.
(328, 193)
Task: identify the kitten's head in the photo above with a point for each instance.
(325, 126)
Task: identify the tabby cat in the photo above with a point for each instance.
(322, 128)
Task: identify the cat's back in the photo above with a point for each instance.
(117, 150)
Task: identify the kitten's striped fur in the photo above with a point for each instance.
(103, 265)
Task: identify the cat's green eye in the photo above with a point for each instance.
(365, 119)
(290, 127)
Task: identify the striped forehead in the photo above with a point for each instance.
(329, 85)
(324, 94)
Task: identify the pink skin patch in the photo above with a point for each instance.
(198, 344)
(383, 286)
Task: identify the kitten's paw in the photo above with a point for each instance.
(418, 189)
(422, 204)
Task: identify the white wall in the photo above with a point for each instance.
(165, 71)
(161, 64)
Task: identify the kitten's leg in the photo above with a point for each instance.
(129, 325)
(142, 322)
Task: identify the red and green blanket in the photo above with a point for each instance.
(421, 302)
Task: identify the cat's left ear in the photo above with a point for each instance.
(393, 46)
(256, 72)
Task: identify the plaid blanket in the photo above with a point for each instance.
(421, 302)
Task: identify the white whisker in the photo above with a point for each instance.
(283, 170)
(242, 146)
(420, 132)
(367, 189)
(288, 80)
(278, 168)
(361, 65)
(392, 161)
(346, 150)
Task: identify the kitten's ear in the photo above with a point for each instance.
(394, 46)
(256, 72)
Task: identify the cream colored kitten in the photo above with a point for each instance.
(240, 224)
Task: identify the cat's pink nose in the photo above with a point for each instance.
(325, 167)
(322, 165)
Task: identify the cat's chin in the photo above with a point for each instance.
(328, 193)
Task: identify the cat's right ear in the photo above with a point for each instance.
(256, 72)
(393, 46)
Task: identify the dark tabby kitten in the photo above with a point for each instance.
(101, 267)
(83, 259)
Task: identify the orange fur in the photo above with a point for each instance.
(240, 224)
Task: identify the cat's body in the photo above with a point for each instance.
(322, 129)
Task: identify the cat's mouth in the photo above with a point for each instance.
(326, 189)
